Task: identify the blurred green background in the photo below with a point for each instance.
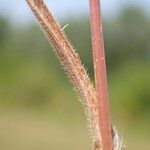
(38, 107)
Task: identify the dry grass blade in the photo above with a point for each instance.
(72, 65)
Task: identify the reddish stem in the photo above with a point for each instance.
(100, 74)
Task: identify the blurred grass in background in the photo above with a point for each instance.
(39, 109)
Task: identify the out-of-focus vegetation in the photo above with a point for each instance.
(39, 109)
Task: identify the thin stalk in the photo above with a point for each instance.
(100, 74)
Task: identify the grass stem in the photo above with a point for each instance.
(100, 75)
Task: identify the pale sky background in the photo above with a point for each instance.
(18, 9)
